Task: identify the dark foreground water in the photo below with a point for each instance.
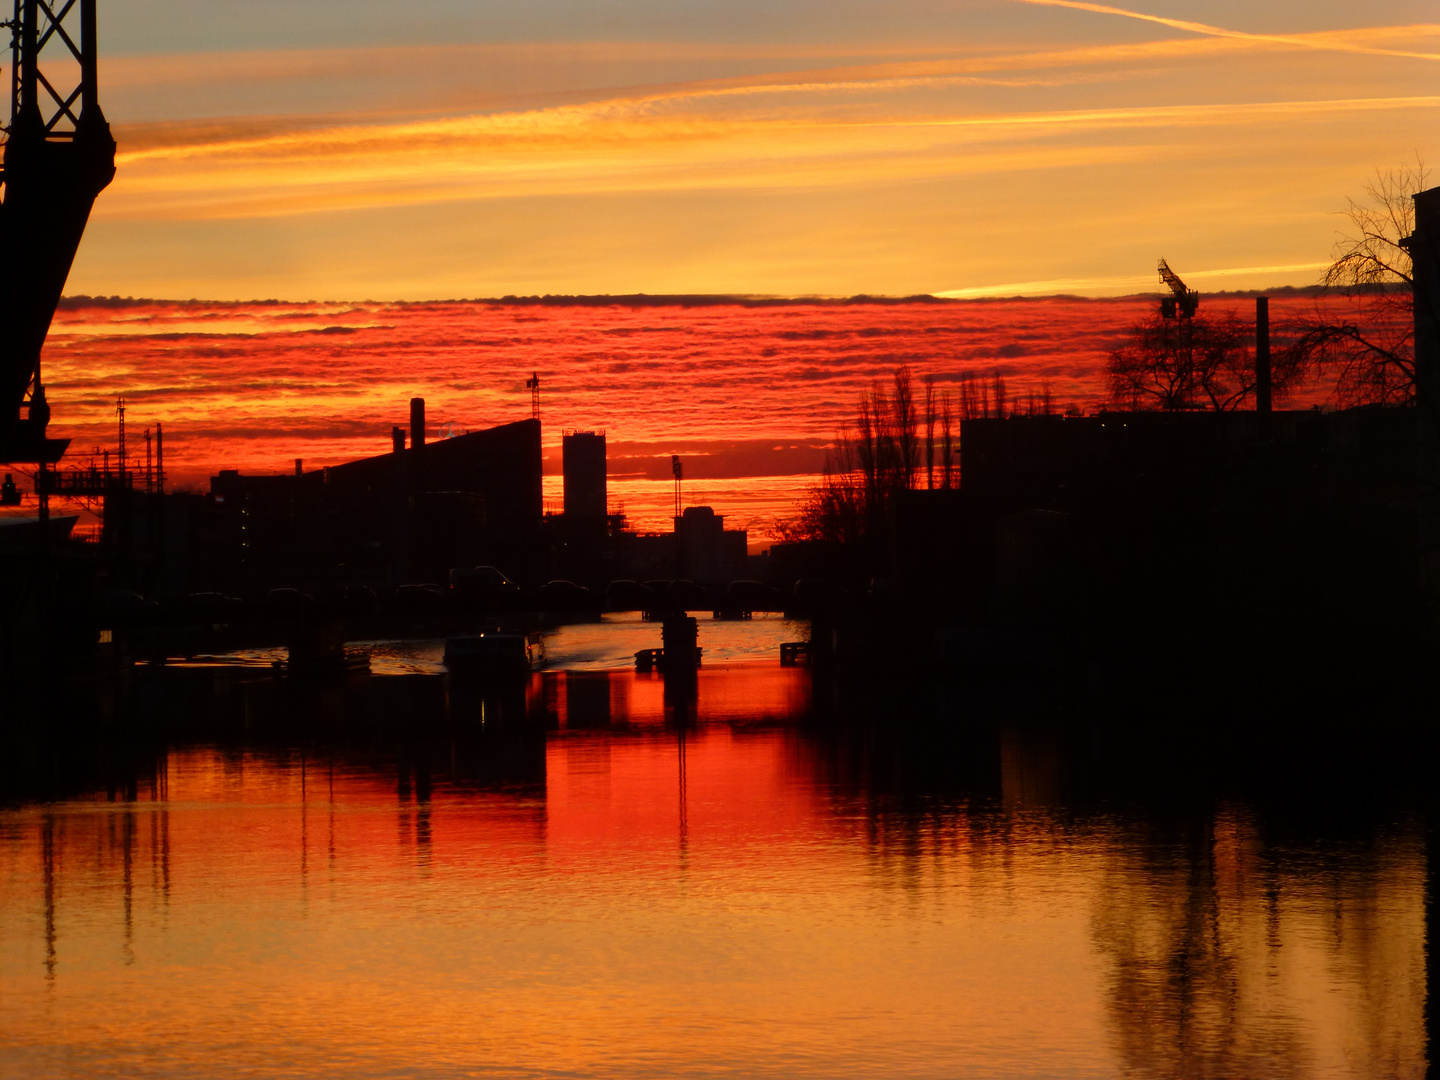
(395, 877)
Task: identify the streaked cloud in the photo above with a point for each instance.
(254, 386)
(1331, 41)
(817, 165)
(632, 144)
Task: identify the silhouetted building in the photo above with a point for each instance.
(1424, 247)
(700, 549)
(709, 553)
(408, 515)
(583, 455)
(1240, 540)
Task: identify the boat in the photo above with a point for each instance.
(494, 654)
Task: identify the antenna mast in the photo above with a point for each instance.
(120, 417)
(533, 385)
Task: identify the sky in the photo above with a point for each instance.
(749, 395)
(448, 148)
(358, 160)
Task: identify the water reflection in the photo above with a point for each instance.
(582, 877)
(1231, 956)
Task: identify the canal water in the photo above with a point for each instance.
(236, 876)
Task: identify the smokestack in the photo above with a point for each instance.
(417, 422)
(397, 438)
(299, 466)
(1262, 354)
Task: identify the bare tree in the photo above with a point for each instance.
(834, 509)
(997, 387)
(907, 429)
(864, 473)
(946, 421)
(1372, 350)
(1204, 363)
(930, 432)
(1371, 252)
(974, 402)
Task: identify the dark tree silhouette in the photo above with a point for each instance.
(1370, 349)
(894, 448)
(866, 469)
(1199, 363)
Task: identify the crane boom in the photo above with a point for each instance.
(58, 156)
(1185, 301)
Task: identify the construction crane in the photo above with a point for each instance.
(1184, 302)
(58, 156)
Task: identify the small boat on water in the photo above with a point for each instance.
(494, 654)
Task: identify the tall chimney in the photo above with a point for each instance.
(1262, 354)
(299, 466)
(417, 422)
(397, 438)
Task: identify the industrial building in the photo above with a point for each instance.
(409, 515)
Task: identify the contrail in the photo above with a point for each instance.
(1322, 42)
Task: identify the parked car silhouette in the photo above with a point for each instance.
(359, 601)
(482, 586)
(419, 599)
(565, 596)
(629, 596)
(753, 596)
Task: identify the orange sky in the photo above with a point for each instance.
(341, 162)
(791, 148)
(748, 396)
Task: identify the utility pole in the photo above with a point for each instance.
(1262, 354)
(120, 416)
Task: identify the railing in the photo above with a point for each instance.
(100, 480)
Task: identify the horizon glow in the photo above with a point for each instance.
(749, 396)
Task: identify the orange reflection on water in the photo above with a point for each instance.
(743, 692)
(659, 898)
